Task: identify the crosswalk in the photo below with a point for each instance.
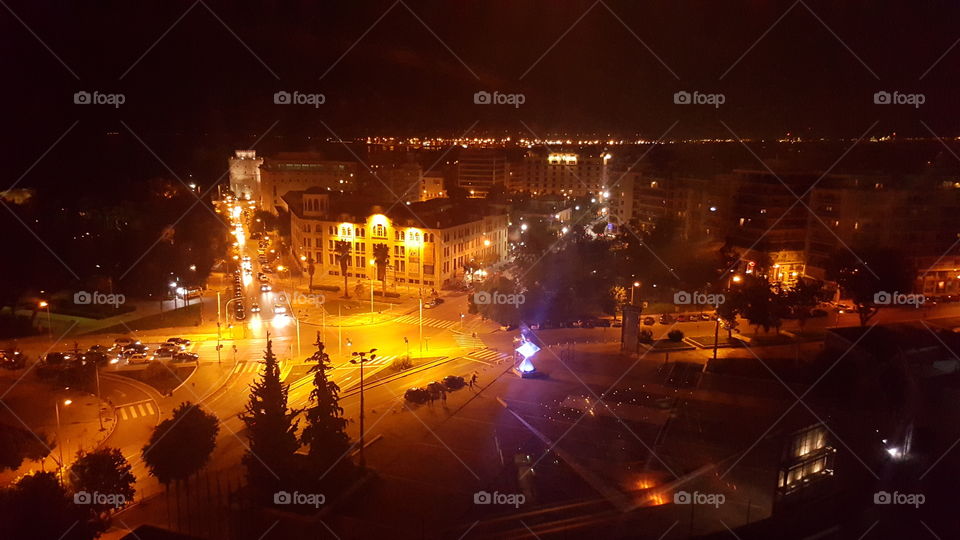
(256, 367)
(427, 321)
(136, 410)
(468, 341)
(489, 356)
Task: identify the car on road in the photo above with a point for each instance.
(183, 343)
(254, 308)
(265, 287)
(139, 358)
(11, 359)
(239, 315)
(279, 309)
(262, 278)
(164, 353)
(266, 268)
(433, 303)
(507, 327)
(649, 321)
(186, 357)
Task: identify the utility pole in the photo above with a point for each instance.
(421, 327)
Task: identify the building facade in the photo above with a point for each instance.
(562, 173)
(298, 171)
(429, 242)
(244, 166)
(479, 169)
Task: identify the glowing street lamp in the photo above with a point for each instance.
(56, 408)
(46, 305)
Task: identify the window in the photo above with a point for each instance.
(379, 231)
(361, 232)
(332, 230)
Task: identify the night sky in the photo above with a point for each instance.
(199, 78)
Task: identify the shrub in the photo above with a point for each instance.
(646, 335)
(675, 335)
(401, 363)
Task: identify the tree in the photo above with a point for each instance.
(755, 300)
(181, 445)
(342, 252)
(871, 278)
(325, 430)
(18, 444)
(381, 256)
(38, 507)
(803, 297)
(104, 471)
(675, 335)
(272, 431)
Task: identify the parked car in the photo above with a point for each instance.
(704, 316)
(649, 321)
(818, 313)
(453, 382)
(164, 353)
(681, 318)
(666, 318)
(416, 395)
(605, 323)
(507, 327)
(433, 303)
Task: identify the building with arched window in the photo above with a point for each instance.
(429, 242)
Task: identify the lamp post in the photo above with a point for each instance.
(632, 291)
(56, 408)
(46, 305)
(360, 358)
(421, 327)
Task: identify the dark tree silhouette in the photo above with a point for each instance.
(325, 431)
(272, 432)
(869, 275)
(103, 471)
(181, 445)
(38, 508)
(17, 444)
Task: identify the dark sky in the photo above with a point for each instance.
(210, 75)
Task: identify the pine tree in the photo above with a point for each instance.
(325, 432)
(272, 432)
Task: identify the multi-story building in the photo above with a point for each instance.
(562, 173)
(298, 171)
(432, 186)
(244, 168)
(397, 182)
(429, 242)
(479, 169)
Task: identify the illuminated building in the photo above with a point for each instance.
(562, 173)
(244, 168)
(429, 242)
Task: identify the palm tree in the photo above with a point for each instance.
(381, 256)
(342, 251)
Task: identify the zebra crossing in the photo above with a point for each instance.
(135, 410)
(381, 360)
(427, 321)
(468, 341)
(255, 367)
(489, 356)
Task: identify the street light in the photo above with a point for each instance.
(633, 290)
(56, 408)
(46, 305)
(360, 358)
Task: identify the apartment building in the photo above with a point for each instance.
(568, 174)
(429, 242)
(479, 169)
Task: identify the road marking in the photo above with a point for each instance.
(123, 414)
(149, 408)
(133, 412)
(143, 412)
